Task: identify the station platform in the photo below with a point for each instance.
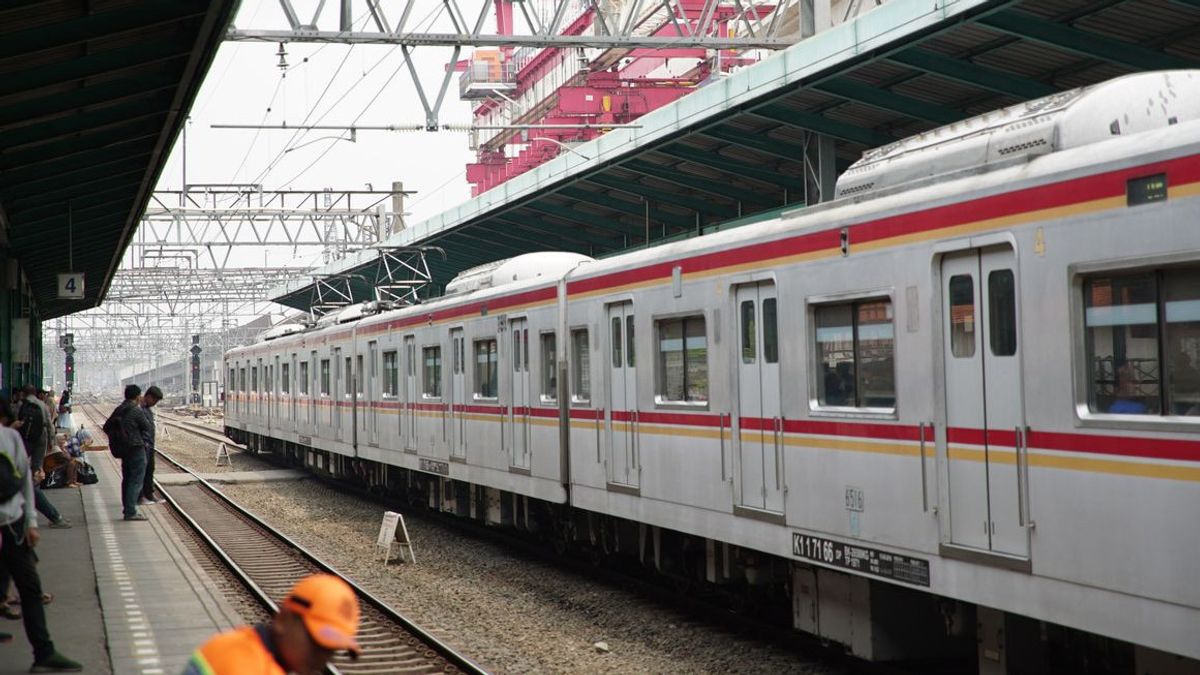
(128, 596)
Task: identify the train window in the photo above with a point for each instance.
(856, 354)
(285, 382)
(516, 351)
(749, 339)
(682, 360)
(391, 375)
(549, 368)
(487, 369)
(770, 332)
(432, 371)
(962, 316)
(581, 378)
(231, 383)
(242, 381)
(1002, 313)
(359, 374)
(254, 379)
(1143, 332)
(617, 342)
(629, 339)
(349, 375)
(325, 388)
(303, 378)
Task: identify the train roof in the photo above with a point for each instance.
(1071, 119)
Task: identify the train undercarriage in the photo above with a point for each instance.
(872, 620)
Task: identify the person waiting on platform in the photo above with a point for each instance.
(152, 396)
(34, 425)
(66, 421)
(318, 618)
(18, 537)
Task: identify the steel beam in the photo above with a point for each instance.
(891, 101)
(634, 187)
(1067, 38)
(411, 40)
(961, 70)
(698, 183)
(734, 167)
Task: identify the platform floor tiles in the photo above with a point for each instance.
(128, 597)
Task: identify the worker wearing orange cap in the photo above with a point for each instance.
(317, 618)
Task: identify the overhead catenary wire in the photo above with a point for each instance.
(422, 24)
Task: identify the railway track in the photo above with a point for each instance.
(268, 564)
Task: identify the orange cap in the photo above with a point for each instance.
(329, 609)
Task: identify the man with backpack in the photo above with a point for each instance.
(126, 427)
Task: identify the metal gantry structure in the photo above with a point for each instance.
(565, 24)
(196, 267)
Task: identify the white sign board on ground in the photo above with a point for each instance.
(393, 530)
(70, 286)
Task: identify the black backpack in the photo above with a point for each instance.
(114, 428)
(11, 481)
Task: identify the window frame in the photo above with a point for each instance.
(302, 378)
(814, 302)
(476, 378)
(425, 380)
(1077, 275)
(576, 370)
(656, 322)
(549, 370)
(324, 378)
(395, 370)
(285, 374)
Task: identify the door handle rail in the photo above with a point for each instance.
(599, 423)
(924, 479)
(777, 426)
(721, 433)
(1022, 464)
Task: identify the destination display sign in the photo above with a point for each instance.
(861, 559)
(435, 466)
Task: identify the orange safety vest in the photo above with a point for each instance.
(238, 652)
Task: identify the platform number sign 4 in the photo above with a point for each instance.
(70, 286)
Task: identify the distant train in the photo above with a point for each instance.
(956, 406)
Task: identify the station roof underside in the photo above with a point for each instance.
(737, 147)
(92, 96)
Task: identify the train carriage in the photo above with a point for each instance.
(972, 376)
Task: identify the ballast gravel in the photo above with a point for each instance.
(502, 609)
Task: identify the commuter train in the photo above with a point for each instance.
(956, 407)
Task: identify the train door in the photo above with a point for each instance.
(408, 420)
(314, 391)
(368, 410)
(335, 394)
(622, 397)
(274, 394)
(295, 394)
(984, 410)
(458, 394)
(519, 404)
(760, 420)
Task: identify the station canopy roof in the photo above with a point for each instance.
(738, 146)
(92, 96)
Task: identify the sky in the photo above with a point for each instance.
(330, 85)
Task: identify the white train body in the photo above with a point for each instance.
(974, 384)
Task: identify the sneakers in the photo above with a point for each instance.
(136, 516)
(56, 663)
(61, 524)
